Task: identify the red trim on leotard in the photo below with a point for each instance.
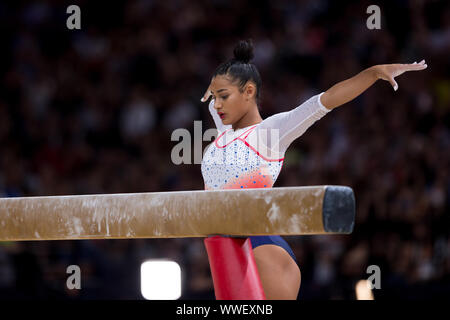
(246, 143)
(221, 147)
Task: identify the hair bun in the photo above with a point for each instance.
(243, 52)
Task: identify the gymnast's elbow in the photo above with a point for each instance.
(327, 101)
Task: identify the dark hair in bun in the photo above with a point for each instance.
(243, 52)
(239, 68)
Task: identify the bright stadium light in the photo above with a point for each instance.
(160, 280)
(363, 291)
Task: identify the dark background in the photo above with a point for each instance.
(92, 111)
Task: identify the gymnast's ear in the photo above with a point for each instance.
(249, 90)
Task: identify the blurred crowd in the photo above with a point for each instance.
(92, 111)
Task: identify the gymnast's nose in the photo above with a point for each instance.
(217, 105)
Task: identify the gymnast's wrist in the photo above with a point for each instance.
(374, 71)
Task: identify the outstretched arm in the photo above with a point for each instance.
(349, 89)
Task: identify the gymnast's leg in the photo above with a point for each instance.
(279, 273)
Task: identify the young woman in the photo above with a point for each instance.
(249, 151)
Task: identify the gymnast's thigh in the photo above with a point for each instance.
(275, 240)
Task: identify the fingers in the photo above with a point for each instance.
(417, 66)
(393, 83)
(400, 69)
(206, 95)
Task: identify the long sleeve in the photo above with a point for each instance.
(217, 121)
(292, 124)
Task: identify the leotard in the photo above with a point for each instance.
(252, 157)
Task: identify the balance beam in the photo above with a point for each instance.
(179, 214)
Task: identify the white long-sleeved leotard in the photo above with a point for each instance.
(252, 157)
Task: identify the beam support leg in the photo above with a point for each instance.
(233, 269)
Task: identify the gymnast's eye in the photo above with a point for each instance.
(224, 97)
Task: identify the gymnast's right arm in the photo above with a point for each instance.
(217, 121)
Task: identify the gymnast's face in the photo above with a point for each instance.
(231, 104)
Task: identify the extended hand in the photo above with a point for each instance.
(389, 71)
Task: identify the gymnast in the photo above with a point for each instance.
(246, 154)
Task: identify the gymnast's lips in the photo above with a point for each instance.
(221, 114)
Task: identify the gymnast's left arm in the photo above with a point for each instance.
(349, 89)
